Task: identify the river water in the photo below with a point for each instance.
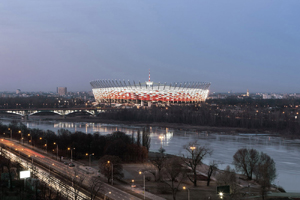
(285, 153)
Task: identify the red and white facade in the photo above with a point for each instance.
(121, 91)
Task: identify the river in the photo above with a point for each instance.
(285, 153)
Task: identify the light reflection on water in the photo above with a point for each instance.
(286, 153)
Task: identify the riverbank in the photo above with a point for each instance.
(178, 126)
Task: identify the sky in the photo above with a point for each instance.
(236, 45)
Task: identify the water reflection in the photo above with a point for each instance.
(284, 152)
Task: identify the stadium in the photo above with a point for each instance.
(114, 91)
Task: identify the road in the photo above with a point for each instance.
(36, 155)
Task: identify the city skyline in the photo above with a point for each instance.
(235, 45)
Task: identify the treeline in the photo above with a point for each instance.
(274, 115)
(133, 148)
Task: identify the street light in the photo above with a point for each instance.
(90, 155)
(106, 194)
(71, 152)
(41, 140)
(132, 184)
(46, 146)
(112, 172)
(192, 148)
(188, 191)
(144, 184)
(10, 133)
(56, 150)
(161, 138)
(21, 135)
(73, 179)
(28, 139)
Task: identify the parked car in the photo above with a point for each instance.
(71, 165)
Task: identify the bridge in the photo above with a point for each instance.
(59, 111)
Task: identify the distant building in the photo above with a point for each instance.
(272, 96)
(62, 91)
(247, 92)
(18, 91)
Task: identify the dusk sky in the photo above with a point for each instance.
(235, 45)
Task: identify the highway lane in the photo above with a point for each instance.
(73, 173)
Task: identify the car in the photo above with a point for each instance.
(66, 163)
(71, 165)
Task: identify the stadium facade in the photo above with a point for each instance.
(114, 91)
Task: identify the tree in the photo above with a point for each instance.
(174, 174)
(95, 185)
(109, 165)
(211, 168)
(265, 173)
(77, 182)
(159, 161)
(8, 164)
(196, 153)
(245, 161)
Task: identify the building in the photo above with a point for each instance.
(62, 91)
(18, 91)
(113, 91)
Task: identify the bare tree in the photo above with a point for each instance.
(95, 185)
(245, 161)
(196, 153)
(174, 174)
(265, 173)
(77, 182)
(211, 168)
(158, 161)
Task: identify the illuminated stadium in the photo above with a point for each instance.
(114, 91)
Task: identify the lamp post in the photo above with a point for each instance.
(161, 139)
(188, 191)
(132, 182)
(46, 146)
(144, 184)
(73, 179)
(192, 148)
(10, 133)
(28, 138)
(56, 150)
(21, 135)
(106, 194)
(71, 152)
(112, 172)
(90, 157)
